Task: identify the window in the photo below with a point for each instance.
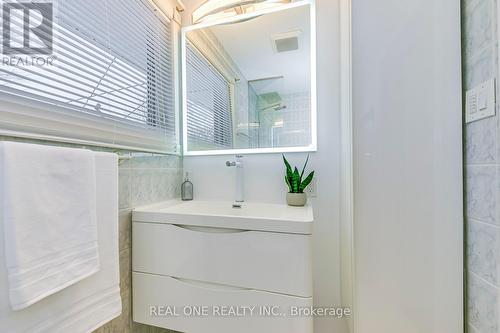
(210, 121)
(110, 80)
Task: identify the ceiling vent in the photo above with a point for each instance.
(286, 42)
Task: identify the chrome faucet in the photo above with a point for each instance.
(239, 197)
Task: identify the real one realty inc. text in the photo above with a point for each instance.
(247, 311)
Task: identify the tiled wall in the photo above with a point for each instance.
(296, 130)
(142, 180)
(482, 159)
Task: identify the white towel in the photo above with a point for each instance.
(90, 303)
(48, 211)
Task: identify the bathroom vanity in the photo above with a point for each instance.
(206, 267)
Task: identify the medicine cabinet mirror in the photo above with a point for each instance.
(249, 82)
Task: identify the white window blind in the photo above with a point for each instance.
(111, 82)
(209, 116)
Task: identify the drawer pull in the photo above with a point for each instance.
(209, 286)
(210, 230)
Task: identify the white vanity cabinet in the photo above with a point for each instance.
(202, 267)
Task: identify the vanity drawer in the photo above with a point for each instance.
(151, 292)
(274, 262)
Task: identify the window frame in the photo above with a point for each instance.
(36, 119)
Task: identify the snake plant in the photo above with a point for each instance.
(295, 180)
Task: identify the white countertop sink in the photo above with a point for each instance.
(221, 214)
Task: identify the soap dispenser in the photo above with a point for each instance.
(187, 189)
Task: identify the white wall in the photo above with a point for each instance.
(408, 162)
(264, 173)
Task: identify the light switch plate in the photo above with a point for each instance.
(480, 102)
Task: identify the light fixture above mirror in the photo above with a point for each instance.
(220, 9)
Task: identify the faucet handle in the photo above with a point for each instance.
(230, 164)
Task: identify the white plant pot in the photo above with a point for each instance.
(296, 199)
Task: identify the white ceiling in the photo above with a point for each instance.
(251, 47)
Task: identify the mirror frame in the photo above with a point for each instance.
(314, 126)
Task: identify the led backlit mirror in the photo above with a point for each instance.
(249, 83)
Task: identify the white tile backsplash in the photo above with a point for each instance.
(482, 305)
(483, 247)
(472, 329)
(479, 27)
(482, 158)
(480, 67)
(481, 142)
(481, 193)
